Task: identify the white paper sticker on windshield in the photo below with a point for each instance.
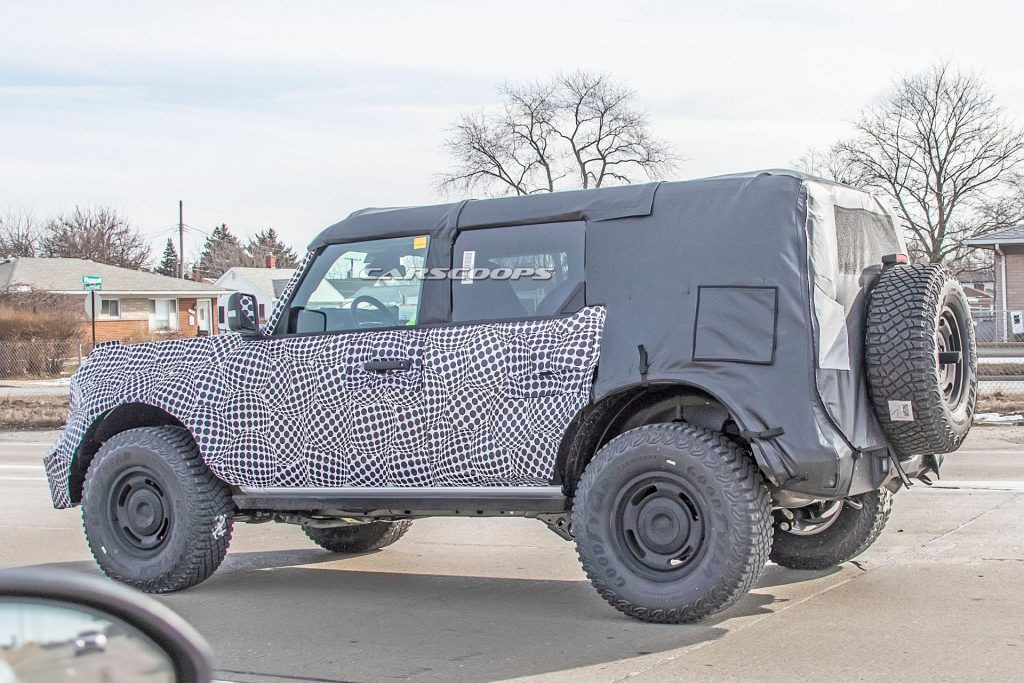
(468, 262)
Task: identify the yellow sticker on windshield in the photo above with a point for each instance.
(419, 242)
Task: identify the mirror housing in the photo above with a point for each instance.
(182, 645)
(242, 314)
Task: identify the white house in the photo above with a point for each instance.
(266, 284)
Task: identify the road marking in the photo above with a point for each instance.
(9, 477)
(991, 485)
(20, 467)
(23, 444)
(974, 451)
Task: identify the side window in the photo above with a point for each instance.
(361, 286)
(518, 272)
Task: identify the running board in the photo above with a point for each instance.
(404, 499)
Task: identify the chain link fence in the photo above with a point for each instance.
(1000, 336)
(39, 367)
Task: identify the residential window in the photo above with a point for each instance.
(163, 314)
(220, 315)
(263, 313)
(383, 278)
(554, 252)
(110, 308)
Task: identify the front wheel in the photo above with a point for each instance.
(155, 517)
(827, 534)
(672, 522)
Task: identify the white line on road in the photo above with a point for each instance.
(9, 477)
(991, 485)
(20, 467)
(26, 443)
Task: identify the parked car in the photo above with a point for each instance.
(697, 377)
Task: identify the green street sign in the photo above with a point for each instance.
(92, 283)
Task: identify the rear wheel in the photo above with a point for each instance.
(672, 522)
(358, 538)
(155, 517)
(830, 533)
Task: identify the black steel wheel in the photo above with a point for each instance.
(660, 525)
(154, 515)
(672, 522)
(140, 511)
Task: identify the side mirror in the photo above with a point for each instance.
(241, 313)
(60, 624)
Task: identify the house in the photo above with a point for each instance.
(1008, 282)
(266, 284)
(133, 305)
(980, 287)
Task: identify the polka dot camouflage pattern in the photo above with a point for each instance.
(479, 405)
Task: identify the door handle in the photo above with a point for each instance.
(385, 365)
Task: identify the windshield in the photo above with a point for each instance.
(361, 285)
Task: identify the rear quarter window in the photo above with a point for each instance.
(863, 238)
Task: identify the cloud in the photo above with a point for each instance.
(293, 114)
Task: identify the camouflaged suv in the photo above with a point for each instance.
(686, 379)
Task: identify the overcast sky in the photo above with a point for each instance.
(292, 114)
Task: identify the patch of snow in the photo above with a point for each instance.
(995, 418)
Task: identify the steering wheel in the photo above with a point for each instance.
(392, 319)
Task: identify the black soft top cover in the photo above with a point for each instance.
(714, 279)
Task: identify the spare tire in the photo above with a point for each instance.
(921, 359)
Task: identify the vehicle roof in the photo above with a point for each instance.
(607, 203)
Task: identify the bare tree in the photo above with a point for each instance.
(829, 164)
(580, 128)
(942, 149)
(19, 233)
(98, 234)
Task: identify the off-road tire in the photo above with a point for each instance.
(727, 491)
(358, 538)
(851, 534)
(901, 353)
(200, 510)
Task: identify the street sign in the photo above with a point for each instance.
(92, 283)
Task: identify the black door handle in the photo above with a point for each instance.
(385, 365)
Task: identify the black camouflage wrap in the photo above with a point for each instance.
(480, 405)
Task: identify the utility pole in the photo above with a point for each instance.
(181, 239)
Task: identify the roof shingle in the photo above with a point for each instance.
(64, 275)
(1007, 236)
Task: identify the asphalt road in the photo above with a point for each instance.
(940, 596)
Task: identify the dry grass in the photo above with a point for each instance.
(33, 412)
(29, 316)
(1005, 404)
(1000, 369)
